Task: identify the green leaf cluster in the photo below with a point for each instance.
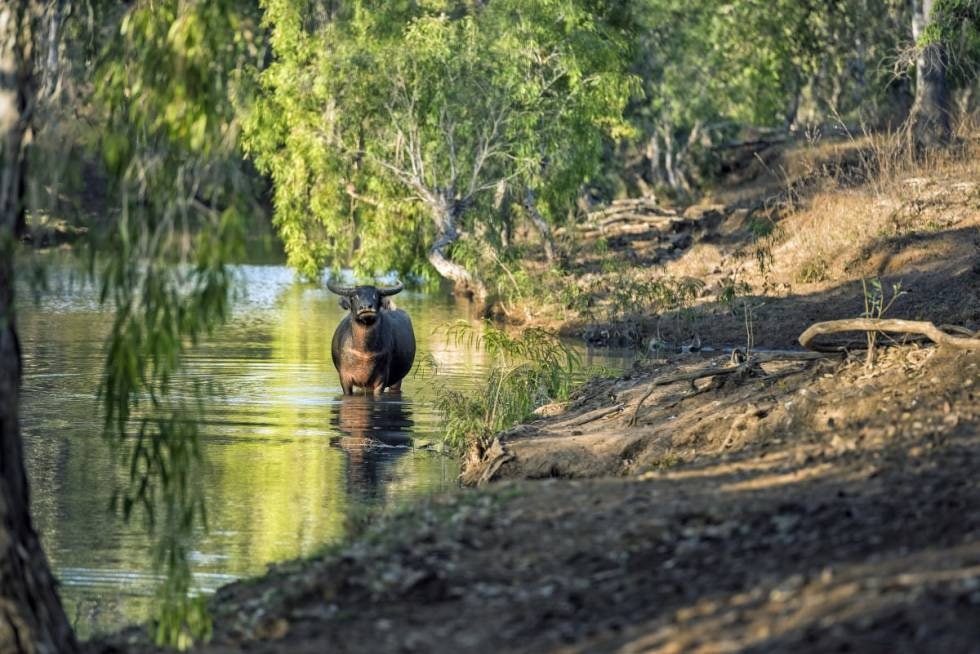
(956, 25)
(711, 68)
(530, 369)
(370, 118)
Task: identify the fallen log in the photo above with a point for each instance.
(657, 219)
(929, 330)
(638, 205)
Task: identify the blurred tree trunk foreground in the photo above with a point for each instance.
(931, 112)
(32, 620)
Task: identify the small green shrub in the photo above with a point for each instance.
(876, 305)
(814, 270)
(529, 370)
(627, 296)
(732, 288)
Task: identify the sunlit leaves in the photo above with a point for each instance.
(956, 25)
(454, 95)
(711, 68)
(529, 370)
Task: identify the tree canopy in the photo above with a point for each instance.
(388, 127)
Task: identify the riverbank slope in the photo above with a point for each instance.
(702, 503)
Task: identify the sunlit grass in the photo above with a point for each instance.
(529, 370)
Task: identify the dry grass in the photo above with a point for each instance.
(825, 234)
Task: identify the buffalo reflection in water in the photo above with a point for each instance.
(374, 432)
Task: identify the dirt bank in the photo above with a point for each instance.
(830, 510)
(670, 412)
(793, 253)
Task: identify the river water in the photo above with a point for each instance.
(287, 458)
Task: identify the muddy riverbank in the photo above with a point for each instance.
(839, 512)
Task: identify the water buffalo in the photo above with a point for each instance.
(374, 346)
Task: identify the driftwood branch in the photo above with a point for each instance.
(927, 329)
(592, 416)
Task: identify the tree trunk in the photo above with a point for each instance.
(501, 204)
(930, 117)
(445, 214)
(655, 172)
(532, 210)
(31, 616)
(669, 158)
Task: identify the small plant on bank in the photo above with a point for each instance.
(876, 305)
(813, 271)
(530, 369)
(732, 287)
(625, 297)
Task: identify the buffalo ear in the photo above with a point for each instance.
(344, 303)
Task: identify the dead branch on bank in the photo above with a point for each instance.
(592, 416)
(940, 335)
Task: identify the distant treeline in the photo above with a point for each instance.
(412, 135)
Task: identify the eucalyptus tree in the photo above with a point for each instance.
(947, 52)
(387, 129)
(168, 89)
(165, 88)
(713, 66)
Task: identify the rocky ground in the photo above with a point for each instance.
(700, 503)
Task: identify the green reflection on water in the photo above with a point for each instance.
(286, 457)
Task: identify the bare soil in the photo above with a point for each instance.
(796, 249)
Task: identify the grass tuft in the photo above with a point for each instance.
(530, 369)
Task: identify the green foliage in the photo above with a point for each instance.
(709, 68)
(167, 86)
(956, 25)
(876, 305)
(377, 121)
(529, 370)
(732, 287)
(622, 296)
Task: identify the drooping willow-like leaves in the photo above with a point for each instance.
(168, 84)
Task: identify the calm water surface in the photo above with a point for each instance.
(287, 458)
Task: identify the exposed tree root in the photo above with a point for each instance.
(744, 369)
(594, 415)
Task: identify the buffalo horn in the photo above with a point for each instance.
(346, 291)
(397, 288)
